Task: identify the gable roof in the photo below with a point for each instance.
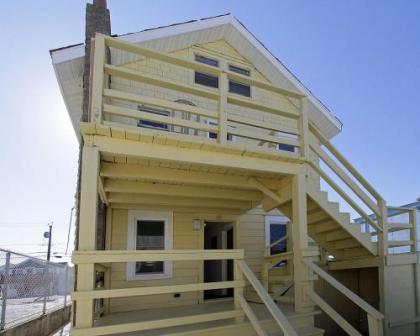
(68, 62)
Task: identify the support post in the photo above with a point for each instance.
(98, 78)
(238, 292)
(304, 128)
(382, 269)
(301, 274)
(4, 291)
(223, 89)
(87, 232)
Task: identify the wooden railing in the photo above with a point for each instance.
(352, 178)
(241, 306)
(410, 225)
(375, 318)
(272, 307)
(263, 129)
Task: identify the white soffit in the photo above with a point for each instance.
(68, 62)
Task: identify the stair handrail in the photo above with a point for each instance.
(324, 140)
(375, 317)
(272, 307)
(378, 208)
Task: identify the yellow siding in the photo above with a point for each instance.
(225, 54)
(250, 238)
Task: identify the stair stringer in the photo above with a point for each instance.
(343, 220)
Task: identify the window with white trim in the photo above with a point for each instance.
(275, 229)
(149, 230)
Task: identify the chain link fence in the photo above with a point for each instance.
(30, 287)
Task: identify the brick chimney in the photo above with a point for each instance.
(97, 21)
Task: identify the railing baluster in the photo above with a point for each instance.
(223, 89)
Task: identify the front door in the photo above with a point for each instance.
(218, 236)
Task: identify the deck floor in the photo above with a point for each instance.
(208, 307)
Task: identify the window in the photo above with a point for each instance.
(287, 148)
(206, 60)
(207, 80)
(149, 230)
(275, 229)
(239, 70)
(152, 124)
(239, 88)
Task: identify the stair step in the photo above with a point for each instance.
(317, 216)
(282, 298)
(324, 227)
(346, 244)
(338, 234)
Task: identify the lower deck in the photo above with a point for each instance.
(220, 327)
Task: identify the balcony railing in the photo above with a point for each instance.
(120, 97)
(240, 310)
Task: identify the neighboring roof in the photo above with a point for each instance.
(68, 61)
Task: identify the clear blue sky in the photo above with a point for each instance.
(361, 58)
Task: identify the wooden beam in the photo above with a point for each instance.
(136, 114)
(166, 153)
(138, 76)
(265, 190)
(178, 201)
(166, 104)
(125, 186)
(171, 175)
(115, 256)
(188, 209)
(153, 290)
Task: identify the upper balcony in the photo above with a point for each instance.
(149, 96)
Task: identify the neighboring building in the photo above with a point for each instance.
(199, 196)
(398, 216)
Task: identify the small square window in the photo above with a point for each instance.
(207, 80)
(206, 60)
(239, 88)
(286, 147)
(239, 70)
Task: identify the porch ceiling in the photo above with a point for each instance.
(133, 183)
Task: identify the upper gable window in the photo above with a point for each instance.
(239, 88)
(206, 60)
(239, 70)
(206, 79)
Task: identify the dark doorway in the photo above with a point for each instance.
(218, 236)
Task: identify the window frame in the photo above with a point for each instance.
(240, 83)
(231, 66)
(198, 55)
(133, 217)
(275, 220)
(206, 74)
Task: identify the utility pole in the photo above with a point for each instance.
(49, 236)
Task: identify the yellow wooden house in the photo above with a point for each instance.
(200, 202)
